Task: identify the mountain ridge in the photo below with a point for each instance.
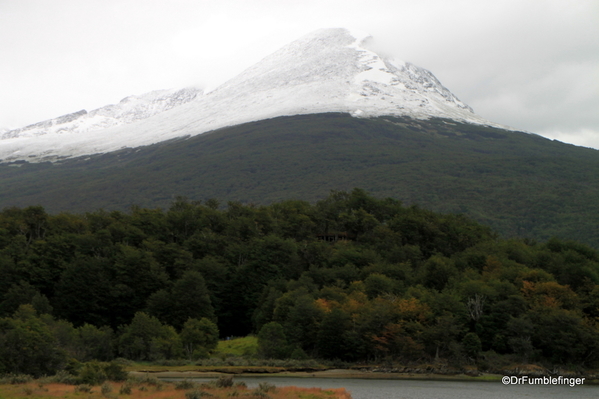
(130, 109)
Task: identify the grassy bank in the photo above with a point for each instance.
(153, 389)
(244, 346)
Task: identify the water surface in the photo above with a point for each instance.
(426, 389)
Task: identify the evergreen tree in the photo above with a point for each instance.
(272, 342)
(332, 340)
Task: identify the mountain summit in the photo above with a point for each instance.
(330, 70)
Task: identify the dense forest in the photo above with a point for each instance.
(350, 277)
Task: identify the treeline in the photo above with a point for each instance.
(351, 277)
(38, 344)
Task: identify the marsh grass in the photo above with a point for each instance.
(168, 391)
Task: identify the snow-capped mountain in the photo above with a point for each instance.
(330, 70)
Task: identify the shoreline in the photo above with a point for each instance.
(337, 373)
(332, 373)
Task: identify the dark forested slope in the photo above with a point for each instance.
(520, 184)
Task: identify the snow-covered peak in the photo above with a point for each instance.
(339, 68)
(330, 70)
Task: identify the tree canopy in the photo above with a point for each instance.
(351, 277)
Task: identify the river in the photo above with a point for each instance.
(426, 389)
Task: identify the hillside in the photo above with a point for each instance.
(519, 184)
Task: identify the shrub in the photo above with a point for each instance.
(126, 388)
(266, 387)
(21, 379)
(106, 389)
(146, 379)
(63, 377)
(185, 384)
(115, 371)
(224, 382)
(92, 373)
(196, 394)
(16, 379)
(83, 388)
(73, 366)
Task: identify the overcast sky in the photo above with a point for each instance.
(530, 64)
